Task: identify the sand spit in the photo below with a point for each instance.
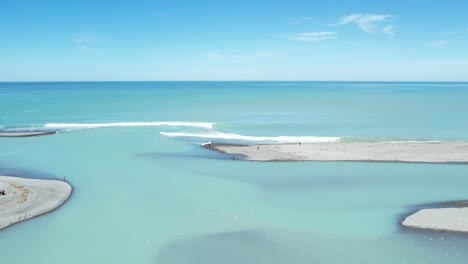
(25, 133)
(27, 198)
(439, 219)
(425, 152)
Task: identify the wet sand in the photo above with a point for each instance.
(28, 198)
(428, 152)
(25, 133)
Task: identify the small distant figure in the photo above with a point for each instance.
(64, 179)
(2, 192)
(233, 158)
(258, 147)
(299, 144)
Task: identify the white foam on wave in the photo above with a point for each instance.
(259, 139)
(128, 124)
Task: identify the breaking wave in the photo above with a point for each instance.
(127, 124)
(260, 139)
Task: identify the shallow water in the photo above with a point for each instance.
(143, 197)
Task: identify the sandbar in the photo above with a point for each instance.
(27, 198)
(439, 219)
(25, 133)
(420, 152)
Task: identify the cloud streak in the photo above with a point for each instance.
(388, 30)
(303, 20)
(88, 40)
(84, 40)
(455, 32)
(238, 56)
(313, 37)
(366, 22)
(438, 43)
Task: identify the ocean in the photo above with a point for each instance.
(146, 192)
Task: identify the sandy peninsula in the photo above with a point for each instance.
(27, 198)
(439, 219)
(426, 152)
(25, 133)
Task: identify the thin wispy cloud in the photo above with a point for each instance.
(84, 40)
(455, 32)
(438, 43)
(88, 40)
(215, 55)
(303, 20)
(366, 22)
(313, 37)
(388, 30)
(238, 56)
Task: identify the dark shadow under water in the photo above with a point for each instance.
(249, 246)
(202, 155)
(279, 247)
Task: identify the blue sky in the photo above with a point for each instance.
(374, 40)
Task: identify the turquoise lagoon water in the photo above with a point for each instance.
(142, 196)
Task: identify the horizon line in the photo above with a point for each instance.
(96, 81)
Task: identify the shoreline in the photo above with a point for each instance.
(28, 198)
(448, 216)
(441, 152)
(26, 133)
(438, 219)
(419, 225)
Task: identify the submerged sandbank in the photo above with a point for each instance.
(27, 198)
(25, 133)
(426, 152)
(439, 219)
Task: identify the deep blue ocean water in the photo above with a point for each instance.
(146, 192)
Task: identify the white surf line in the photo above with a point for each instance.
(272, 139)
(128, 124)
